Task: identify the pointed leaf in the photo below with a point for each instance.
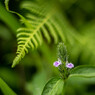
(53, 87)
(83, 71)
(5, 88)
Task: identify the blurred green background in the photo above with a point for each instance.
(30, 76)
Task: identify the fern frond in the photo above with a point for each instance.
(39, 18)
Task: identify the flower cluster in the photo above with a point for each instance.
(63, 65)
(68, 65)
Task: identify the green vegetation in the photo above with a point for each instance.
(30, 31)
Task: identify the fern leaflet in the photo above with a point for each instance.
(40, 19)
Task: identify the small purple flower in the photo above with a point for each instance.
(57, 63)
(69, 65)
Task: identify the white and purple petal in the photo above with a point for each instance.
(69, 65)
(57, 63)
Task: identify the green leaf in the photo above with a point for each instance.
(5, 88)
(41, 20)
(40, 17)
(79, 78)
(83, 71)
(53, 87)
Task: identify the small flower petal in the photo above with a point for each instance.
(57, 63)
(69, 65)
